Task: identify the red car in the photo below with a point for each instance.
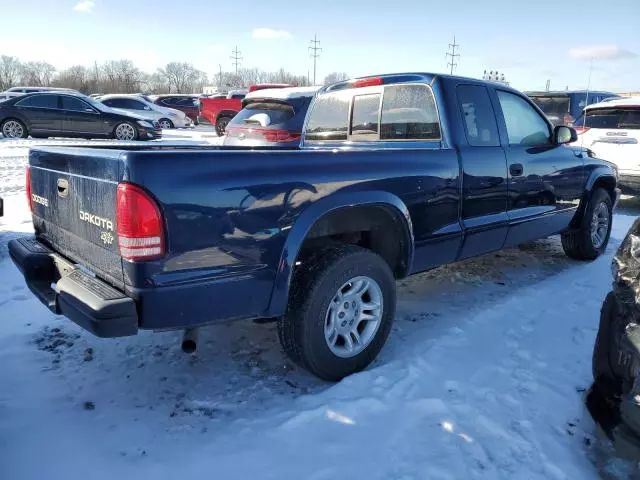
(189, 104)
(220, 111)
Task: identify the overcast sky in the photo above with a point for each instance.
(530, 41)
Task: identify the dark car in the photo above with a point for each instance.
(395, 175)
(616, 353)
(67, 114)
(189, 104)
(562, 108)
(270, 117)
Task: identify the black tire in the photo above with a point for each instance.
(606, 374)
(221, 125)
(301, 330)
(166, 122)
(578, 243)
(25, 131)
(136, 134)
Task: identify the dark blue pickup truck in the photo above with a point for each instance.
(395, 175)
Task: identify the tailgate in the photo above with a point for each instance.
(73, 195)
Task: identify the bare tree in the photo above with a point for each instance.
(9, 71)
(335, 77)
(37, 74)
(120, 76)
(76, 77)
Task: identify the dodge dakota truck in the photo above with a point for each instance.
(395, 174)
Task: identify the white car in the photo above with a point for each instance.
(166, 117)
(7, 95)
(611, 129)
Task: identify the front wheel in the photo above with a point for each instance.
(341, 307)
(165, 123)
(590, 240)
(12, 128)
(125, 131)
(221, 125)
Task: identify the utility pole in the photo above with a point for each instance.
(314, 52)
(236, 57)
(452, 64)
(220, 80)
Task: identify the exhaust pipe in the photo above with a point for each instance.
(190, 340)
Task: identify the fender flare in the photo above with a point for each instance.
(303, 224)
(598, 173)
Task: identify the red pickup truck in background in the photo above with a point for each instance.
(220, 111)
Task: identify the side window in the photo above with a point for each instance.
(74, 104)
(365, 115)
(112, 102)
(409, 113)
(524, 125)
(479, 120)
(44, 101)
(329, 117)
(134, 104)
(169, 101)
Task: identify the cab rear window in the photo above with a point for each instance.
(394, 112)
(611, 119)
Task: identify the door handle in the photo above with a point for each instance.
(516, 169)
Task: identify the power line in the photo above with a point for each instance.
(453, 64)
(314, 52)
(236, 58)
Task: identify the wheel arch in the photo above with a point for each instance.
(600, 177)
(226, 113)
(344, 214)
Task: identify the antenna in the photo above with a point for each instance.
(586, 103)
(452, 64)
(314, 52)
(236, 58)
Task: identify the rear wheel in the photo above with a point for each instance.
(341, 307)
(221, 125)
(590, 240)
(125, 131)
(165, 123)
(12, 128)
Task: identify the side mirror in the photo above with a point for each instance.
(563, 134)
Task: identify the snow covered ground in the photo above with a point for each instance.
(484, 376)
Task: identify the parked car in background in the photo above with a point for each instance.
(40, 89)
(68, 114)
(270, 117)
(166, 117)
(7, 95)
(396, 175)
(219, 111)
(611, 129)
(187, 104)
(563, 107)
(616, 352)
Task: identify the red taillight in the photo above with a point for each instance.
(367, 82)
(581, 130)
(139, 224)
(28, 187)
(268, 134)
(280, 135)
